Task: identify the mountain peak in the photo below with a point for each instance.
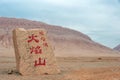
(117, 48)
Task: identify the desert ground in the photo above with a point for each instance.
(79, 68)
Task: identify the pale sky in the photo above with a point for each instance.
(99, 19)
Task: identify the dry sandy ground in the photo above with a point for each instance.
(84, 68)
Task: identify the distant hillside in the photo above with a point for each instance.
(66, 42)
(117, 48)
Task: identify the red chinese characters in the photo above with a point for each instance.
(42, 38)
(33, 38)
(45, 44)
(39, 62)
(41, 33)
(37, 49)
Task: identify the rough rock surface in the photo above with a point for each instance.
(34, 54)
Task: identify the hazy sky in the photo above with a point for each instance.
(100, 19)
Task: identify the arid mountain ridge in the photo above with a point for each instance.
(117, 48)
(66, 42)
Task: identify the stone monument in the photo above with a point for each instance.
(34, 54)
